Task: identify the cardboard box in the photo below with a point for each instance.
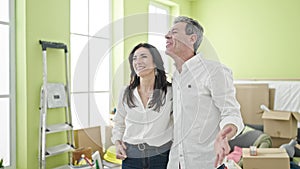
(266, 158)
(77, 154)
(89, 137)
(277, 142)
(281, 124)
(250, 97)
(271, 98)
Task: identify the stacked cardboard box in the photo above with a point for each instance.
(251, 97)
(281, 126)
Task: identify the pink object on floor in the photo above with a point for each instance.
(236, 154)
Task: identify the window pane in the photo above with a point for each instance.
(4, 10)
(99, 103)
(5, 131)
(160, 43)
(99, 18)
(152, 9)
(157, 33)
(99, 64)
(161, 11)
(4, 59)
(159, 16)
(90, 58)
(80, 112)
(79, 16)
(79, 63)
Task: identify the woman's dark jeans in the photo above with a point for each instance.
(147, 158)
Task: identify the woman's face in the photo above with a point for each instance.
(142, 62)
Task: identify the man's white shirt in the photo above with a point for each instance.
(204, 102)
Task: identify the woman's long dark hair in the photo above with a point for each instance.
(160, 83)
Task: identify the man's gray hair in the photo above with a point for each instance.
(192, 27)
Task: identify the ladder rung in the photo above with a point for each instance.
(51, 151)
(58, 128)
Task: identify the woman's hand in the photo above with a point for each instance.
(120, 150)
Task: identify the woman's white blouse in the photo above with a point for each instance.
(143, 125)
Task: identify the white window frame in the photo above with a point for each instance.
(11, 164)
(168, 62)
(87, 95)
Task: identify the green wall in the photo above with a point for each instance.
(117, 51)
(256, 39)
(35, 20)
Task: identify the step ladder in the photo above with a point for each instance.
(53, 96)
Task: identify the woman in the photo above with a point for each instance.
(143, 122)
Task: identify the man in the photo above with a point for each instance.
(206, 112)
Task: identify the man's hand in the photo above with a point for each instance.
(222, 147)
(120, 150)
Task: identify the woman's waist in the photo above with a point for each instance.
(143, 150)
(144, 146)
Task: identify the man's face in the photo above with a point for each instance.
(177, 40)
